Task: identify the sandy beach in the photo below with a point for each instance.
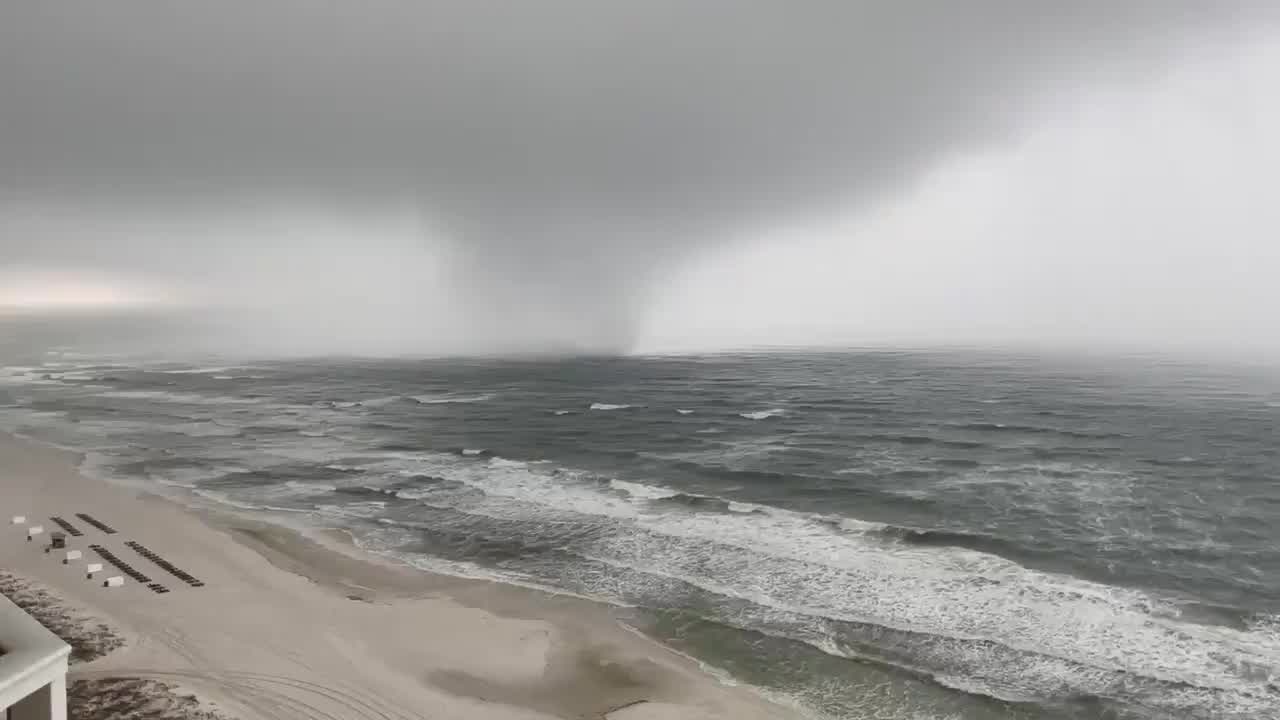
(294, 626)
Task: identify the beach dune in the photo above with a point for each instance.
(288, 625)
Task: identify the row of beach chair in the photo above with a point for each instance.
(96, 523)
(70, 529)
(58, 542)
(120, 565)
(168, 566)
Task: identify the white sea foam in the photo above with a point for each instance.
(66, 353)
(501, 462)
(74, 376)
(684, 412)
(366, 509)
(807, 565)
(783, 561)
(609, 406)
(520, 481)
(222, 498)
(563, 412)
(762, 414)
(24, 375)
(203, 370)
(449, 399)
(1078, 631)
(340, 467)
(372, 402)
(310, 487)
(473, 451)
(181, 398)
(639, 490)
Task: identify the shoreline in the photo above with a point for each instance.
(367, 635)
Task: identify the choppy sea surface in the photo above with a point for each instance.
(891, 535)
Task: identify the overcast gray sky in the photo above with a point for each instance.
(425, 176)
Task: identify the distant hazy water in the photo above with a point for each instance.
(887, 535)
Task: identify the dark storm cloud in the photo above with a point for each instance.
(569, 146)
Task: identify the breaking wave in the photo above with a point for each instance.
(1016, 554)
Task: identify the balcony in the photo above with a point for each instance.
(33, 668)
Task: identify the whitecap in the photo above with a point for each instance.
(310, 487)
(762, 414)
(792, 563)
(180, 397)
(609, 406)
(74, 377)
(684, 412)
(639, 490)
(373, 402)
(501, 462)
(449, 399)
(199, 370)
(365, 510)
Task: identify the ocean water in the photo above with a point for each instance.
(890, 535)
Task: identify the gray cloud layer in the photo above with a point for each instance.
(570, 148)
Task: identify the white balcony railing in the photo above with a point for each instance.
(33, 668)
